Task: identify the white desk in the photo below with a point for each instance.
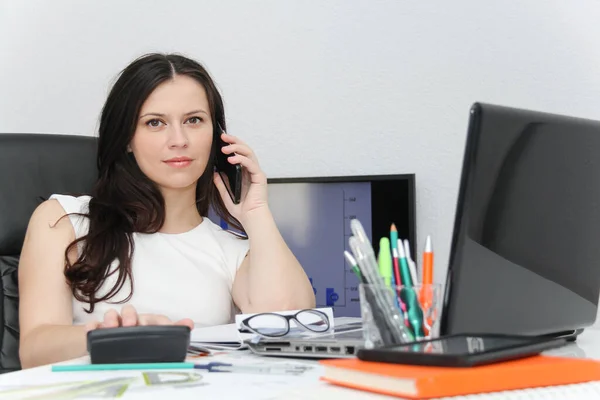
(586, 346)
(251, 386)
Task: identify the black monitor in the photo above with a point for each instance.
(313, 215)
(525, 253)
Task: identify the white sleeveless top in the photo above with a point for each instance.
(186, 275)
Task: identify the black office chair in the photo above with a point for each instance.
(32, 167)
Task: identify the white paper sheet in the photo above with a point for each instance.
(42, 384)
(226, 336)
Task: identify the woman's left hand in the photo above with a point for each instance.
(254, 181)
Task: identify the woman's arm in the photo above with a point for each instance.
(46, 326)
(48, 344)
(270, 278)
(45, 306)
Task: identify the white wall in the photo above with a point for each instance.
(317, 87)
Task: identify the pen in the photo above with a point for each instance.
(410, 298)
(399, 303)
(199, 350)
(396, 275)
(394, 241)
(363, 251)
(414, 311)
(385, 261)
(387, 266)
(121, 367)
(210, 367)
(411, 263)
(354, 265)
(426, 295)
(386, 316)
(404, 269)
(389, 321)
(283, 369)
(428, 262)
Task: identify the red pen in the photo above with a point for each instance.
(396, 265)
(394, 243)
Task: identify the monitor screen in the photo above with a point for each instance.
(525, 257)
(313, 216)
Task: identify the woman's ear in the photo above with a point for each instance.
(129, 148)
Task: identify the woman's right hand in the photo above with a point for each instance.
(130, 317)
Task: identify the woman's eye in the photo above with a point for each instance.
(195, 120)
(154, 123)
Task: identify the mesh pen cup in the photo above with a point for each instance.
(417, 309)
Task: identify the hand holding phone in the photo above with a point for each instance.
(231, 174)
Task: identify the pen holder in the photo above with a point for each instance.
(419, 305)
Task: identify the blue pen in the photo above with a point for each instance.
(283, 369)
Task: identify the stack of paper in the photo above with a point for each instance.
(220, 336)
(229, 336)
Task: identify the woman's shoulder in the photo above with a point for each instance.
(76, 207)
(72, 204)
(50, 214)
(49, 210)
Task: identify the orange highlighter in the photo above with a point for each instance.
(428, 263)
(426, 297)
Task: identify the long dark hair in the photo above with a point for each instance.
(124, 200)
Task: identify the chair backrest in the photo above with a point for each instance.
(32, 167)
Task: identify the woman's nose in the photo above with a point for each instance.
(177, 137)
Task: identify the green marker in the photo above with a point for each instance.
(385, 261)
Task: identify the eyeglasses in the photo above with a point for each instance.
(276, 325)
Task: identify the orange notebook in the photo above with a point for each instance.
(419, 382)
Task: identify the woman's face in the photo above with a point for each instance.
(173, 136)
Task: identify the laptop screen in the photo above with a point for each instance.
(525, 257)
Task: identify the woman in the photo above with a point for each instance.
(140, 250)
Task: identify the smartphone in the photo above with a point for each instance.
(231, 174)
(462, 350)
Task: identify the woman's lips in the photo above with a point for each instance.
(178, 162)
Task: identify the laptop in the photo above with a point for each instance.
(524, 256)
(343, 342)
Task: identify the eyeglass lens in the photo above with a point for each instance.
(315, 321)
(276, 325)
